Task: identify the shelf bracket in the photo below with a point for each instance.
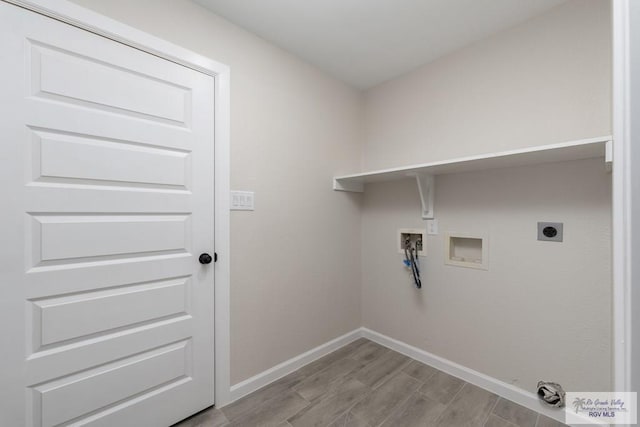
(426, 188)
(608, 155)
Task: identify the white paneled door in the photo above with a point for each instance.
(106, 167)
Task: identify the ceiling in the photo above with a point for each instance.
(366, 42)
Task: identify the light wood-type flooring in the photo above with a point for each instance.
(366, 385)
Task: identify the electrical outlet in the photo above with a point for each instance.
(432, 227)
(550, 231)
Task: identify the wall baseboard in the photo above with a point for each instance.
(288, 366)
(502, 389)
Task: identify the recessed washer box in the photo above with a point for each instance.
(467, 250)
(415, 235)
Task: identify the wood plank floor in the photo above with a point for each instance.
(366, 385)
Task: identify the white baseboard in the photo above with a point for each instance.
(502, 389)
(272, 374)
(510, 392)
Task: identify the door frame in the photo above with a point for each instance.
(622, 185)
(78, 16)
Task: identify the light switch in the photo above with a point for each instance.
(242, 201)
(432, 227)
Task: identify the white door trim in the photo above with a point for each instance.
(621, 204)
(80, 17)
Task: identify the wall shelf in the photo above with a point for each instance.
(424, 173)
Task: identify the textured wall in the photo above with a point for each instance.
(296, 268)
(543, 310)
(547, 80)
(295, 273)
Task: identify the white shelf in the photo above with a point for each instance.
(425, 173)
(572, 150)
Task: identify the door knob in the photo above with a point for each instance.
(205, 258)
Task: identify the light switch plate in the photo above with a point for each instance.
(242, 201)
(432, 227)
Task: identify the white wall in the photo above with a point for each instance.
(545, 81)
(543, 310)
(295, 273)
(296, 270)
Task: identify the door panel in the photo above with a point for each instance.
(106, 159)
(106, 310)
(102, 162)
(67, 76)
(135, 375)
(66, 239)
